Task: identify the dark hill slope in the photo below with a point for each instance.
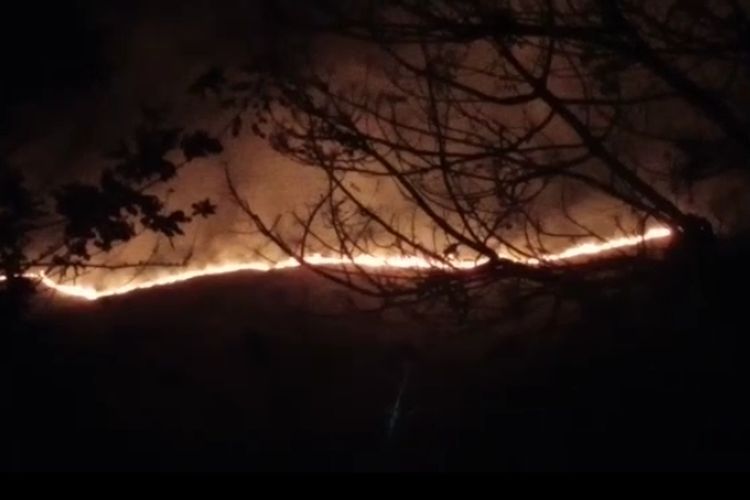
(232, 373)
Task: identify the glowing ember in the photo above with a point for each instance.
(365, 261)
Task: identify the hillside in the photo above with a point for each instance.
(234, 373)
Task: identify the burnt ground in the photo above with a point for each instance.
(232, 374)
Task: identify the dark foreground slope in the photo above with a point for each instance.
(231, 373)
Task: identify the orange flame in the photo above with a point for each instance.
(365, 261)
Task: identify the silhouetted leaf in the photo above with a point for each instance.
(200, 144)
(212, 80)
(204, 208)
(168, 225)
(236, 126)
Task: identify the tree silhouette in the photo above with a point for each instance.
(64, 228)
(469, 128)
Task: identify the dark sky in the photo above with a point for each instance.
(59, 55)
(51, 51)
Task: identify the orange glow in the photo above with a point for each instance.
(365, 261)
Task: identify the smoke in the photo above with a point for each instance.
(135, 55)
(148, 53)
